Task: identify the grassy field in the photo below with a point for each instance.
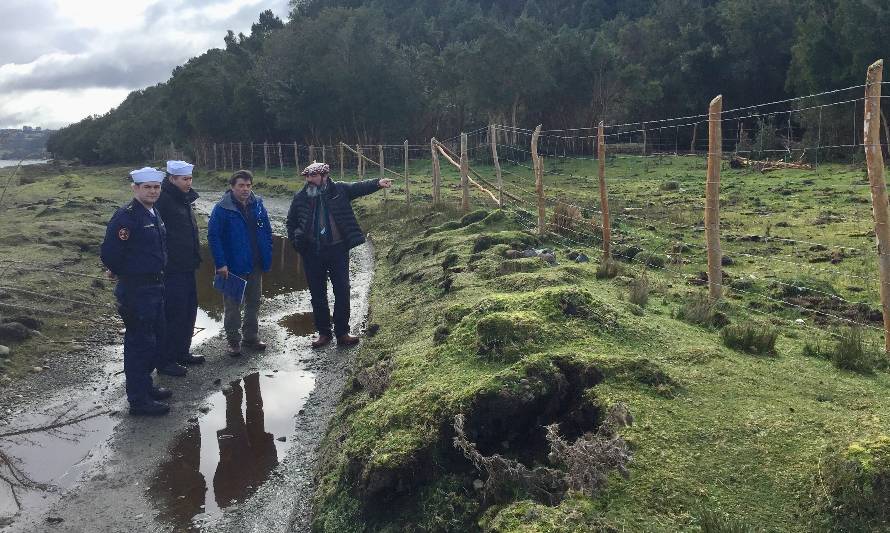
(724, 440)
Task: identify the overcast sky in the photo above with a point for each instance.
(62, 60)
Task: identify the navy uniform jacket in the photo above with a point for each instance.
(135, 242)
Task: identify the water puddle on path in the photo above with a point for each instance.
(49, 450)
(286, 276)
(298, 324)
(227, 453)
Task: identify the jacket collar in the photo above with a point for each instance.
(168, 187)
(228, 201)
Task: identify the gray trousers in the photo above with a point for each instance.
(233, 323)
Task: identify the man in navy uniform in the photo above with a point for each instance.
(134, 250)
(183, 258)
(322, 227)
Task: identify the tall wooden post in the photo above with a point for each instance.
(538, 165)
(240, 157)
(437, 172)
(645, 161)
(492, 138)
(251, 156)
(382, 175)
(266, 158)
(712, 199)
(604, 194)
(323, 154)
(232, 155)
(311, 153)
(297, 158)
(875, 160)
(214, 157)
(464, 175)
(361, 161)
(280, 159)
(407, 182)
(358, 162)
(341, 160)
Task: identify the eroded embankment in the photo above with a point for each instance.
(477, 395)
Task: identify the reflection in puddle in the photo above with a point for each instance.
(225, 455)
(298, 324)
(52, 450)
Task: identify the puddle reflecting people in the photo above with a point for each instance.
(134, 251)
(179, 482)
(322, 227)
(240, 239)
(247, 451)
(175, 205)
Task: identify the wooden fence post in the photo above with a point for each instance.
(311, 153)
(604, 194)
(492, 138)
(340, 146)
(645, 161)
(296, 158)
(323, 154)
(382, 175)
(464, 175)
(280, 159)
(407, 182)
(361, 161)
(240, 157)
(538, 165)
(437, 172)
(712, 199)
(251, 156)
(265, 158)
(232, 155)
(875, 160)
(214, 157)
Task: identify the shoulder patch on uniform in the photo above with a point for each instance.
(123, 234)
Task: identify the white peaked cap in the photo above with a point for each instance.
(179, 168)
(146, 174)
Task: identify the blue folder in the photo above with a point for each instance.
(232, 287)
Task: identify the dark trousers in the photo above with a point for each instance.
(333, 262)
(181, 309)
(142, 309)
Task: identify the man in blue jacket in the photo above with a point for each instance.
(240, 238)
(321, 226)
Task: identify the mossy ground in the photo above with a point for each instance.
(718, 432)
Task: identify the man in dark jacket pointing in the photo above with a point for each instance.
(322, 227)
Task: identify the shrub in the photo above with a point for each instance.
(607, 269)
(850, 351)
(638, 290)
(852, 487)
(699, 310)
(650, 259)
(669, 186)
(565, 218)
(751, 337)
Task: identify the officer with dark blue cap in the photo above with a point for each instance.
(134, 250)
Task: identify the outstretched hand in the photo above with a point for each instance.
(385, 183)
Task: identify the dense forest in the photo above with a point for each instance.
(382, 70)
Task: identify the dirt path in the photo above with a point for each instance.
(235, 454)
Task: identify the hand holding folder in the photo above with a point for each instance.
(231, 286)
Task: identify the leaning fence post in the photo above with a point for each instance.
(437, 171)
(875, 160)
(464, 175)
(382, 175)
(712, 199)
(538, 165)
(604, 195)
(497, 163)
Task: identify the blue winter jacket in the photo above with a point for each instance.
(228, 238)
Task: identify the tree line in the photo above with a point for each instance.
(368, 71)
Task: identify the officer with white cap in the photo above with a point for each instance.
(135, 252)
(175, 206)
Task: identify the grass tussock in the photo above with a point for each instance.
(752, 337)
(850, 350)
(608, 269)
(638, 290)
(698, 309)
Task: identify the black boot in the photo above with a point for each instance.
(149, 408)
(190, 359)
(172, 369)
(160, 393)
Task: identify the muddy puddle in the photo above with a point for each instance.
(298, 324)
(49, 451)
(285, 277)
(224, 455)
